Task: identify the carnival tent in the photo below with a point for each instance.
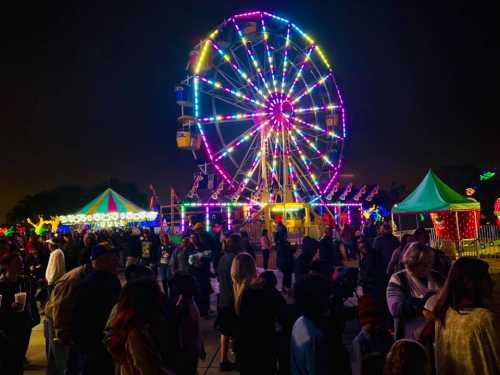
(111, 209)
(454, 216)
(433, 195)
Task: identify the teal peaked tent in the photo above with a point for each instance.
(433, 195)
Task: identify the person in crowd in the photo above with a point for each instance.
(134, 247)
(56, 266)
(35, 270)
(315, 348)
(409, 290)
(281, 233)
(441, 263)
(285, 262)
(407, 357)
(89, 241)
(246, 246)
(347, 235)
(371, 272)
(200, 269)
(331, 252)
(191, 348)
(69, 250)
(467, 336)
(18, 313)
(243, 274)
(260, 308)
(370, 230)
(97, 294)
(306, 256)
(385, 243)
(226, 315)
(396, 262)
(374, 338)
(63, 356)
(166, 251)
(265, 247)
(149, 251)
(139, 330)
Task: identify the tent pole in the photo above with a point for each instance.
(458, 228)
(476, 242)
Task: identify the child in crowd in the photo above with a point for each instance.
(373, 338)
(407, 357)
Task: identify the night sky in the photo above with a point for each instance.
(87, 87)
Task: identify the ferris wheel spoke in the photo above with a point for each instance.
(305, 161)
(251, 55)
(300, 69)
(316, 109)
(268, 50)
(227, 57)
(308, 177)
(237, 94)
(242, 138)
(330, 133)
(239, 117)
(311, 145)
(285, 58)
(310, 89)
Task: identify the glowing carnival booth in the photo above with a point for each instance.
(455, 218)
(262, 102)
(109, 209)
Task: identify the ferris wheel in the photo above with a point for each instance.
(266, 114)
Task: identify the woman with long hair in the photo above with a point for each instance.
(409, 290)
(258, 306)
(467, 334)
(243, 273)
(139, 339)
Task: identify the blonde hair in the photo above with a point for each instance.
(243, 273)
(415, 253)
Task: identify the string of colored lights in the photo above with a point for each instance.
(305, 161)
(314, 109)
(218, 86)
(255, 62)
(268, 50)
(285, 59)
(311, 145)
(241, 139)
(236, 68)
(236, 117)
(330, 133)
(311, 88)
(293, 176)
(301, 68)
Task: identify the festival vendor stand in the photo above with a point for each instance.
(109, 210)
(455, 218)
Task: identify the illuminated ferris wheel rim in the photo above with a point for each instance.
(273, 108)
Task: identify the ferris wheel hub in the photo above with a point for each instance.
(280, 108)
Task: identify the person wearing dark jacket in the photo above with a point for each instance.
(303, 261)
(371, 272)
(97, 294)
(134, 247)
(329, 251)
(226, 316)
(385, 244)
(260, 310)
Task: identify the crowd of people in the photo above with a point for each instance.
(133, 302)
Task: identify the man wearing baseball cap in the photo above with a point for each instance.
(56, 266)
(97, 295)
